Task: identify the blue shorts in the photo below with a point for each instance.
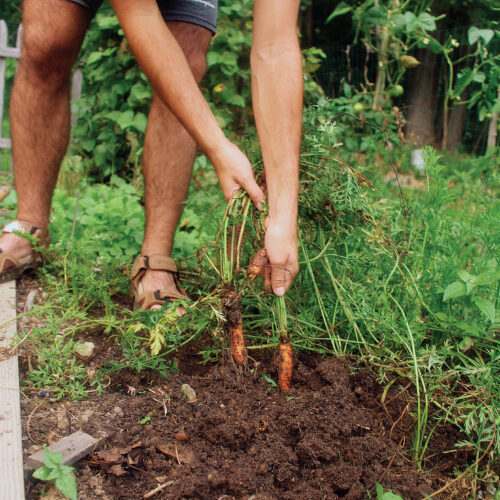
(200, 12)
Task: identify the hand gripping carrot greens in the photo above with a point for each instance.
(232, 235)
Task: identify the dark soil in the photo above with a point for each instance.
(329, 437)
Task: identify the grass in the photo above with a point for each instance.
(410, 287)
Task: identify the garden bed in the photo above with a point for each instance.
(329, 437)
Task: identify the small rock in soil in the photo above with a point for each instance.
(62, 420)
(30, 301)
(118, 411)
(85, 350)
(189, 392)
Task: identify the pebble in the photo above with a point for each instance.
(34, 449)
(62, 420)
(30, 300)
(86, 415)
(85, 350)
(189, 392)
(118, 411)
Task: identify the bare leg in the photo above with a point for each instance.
(169, 153)
(39, 107)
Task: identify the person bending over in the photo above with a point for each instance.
(170, 39)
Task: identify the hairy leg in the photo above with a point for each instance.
(39, 107)
(169, 153)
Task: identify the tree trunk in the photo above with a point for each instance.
(423, 96)
(493, 128)
(456, 123)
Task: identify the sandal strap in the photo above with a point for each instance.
(20, 226)
(156, 262)
(158, 297)
(7, 257)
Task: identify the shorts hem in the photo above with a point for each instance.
(85, 5)
(192, 20)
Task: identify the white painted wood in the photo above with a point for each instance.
(76, 92)
(7, 312)
(11, 456)
(3, 45)
(12, 52)
(19, 37)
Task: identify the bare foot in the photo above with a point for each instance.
(17, 246)
(161, 280)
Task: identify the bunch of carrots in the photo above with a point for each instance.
(230, 265)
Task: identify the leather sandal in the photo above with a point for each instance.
(12, 268)
(147, 298)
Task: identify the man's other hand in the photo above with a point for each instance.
(281, 247)
(235, 172)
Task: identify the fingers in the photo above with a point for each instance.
(281, 277)
(266, 275)
(254, 191)
(279, 280)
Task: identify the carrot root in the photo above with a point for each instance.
(238, 348)
(234, 327)
(285, 366)
(259, 260)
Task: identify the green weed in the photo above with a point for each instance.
(54, 471)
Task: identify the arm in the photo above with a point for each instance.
(277, 89)
(166, 67)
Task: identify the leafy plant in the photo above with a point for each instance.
(391, 29)
(386, 495)
(55, 472)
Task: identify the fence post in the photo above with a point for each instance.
(3, 45)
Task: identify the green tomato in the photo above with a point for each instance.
(397, 90)
(358, 107)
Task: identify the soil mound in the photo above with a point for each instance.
(329, 437)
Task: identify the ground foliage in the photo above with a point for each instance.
(407, 284)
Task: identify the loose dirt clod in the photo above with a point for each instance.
(181, 436)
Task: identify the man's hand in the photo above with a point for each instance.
(281, 248)
(235, 172)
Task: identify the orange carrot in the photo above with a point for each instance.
(238, 343)
(258, 261)
(285, 367)
(234, 326)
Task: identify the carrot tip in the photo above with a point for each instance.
(285, 368)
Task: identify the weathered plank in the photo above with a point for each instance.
(73, 448)
(3, 46)
(11, 457)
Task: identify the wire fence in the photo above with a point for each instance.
(357, 66)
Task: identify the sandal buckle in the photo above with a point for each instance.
(158, 297)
